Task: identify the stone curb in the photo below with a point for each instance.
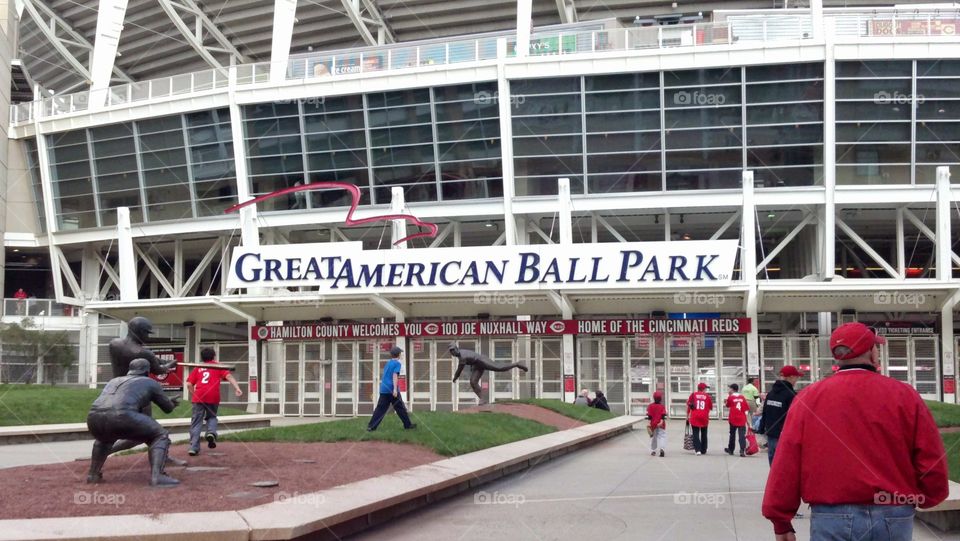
(332, 513)
(10, 435)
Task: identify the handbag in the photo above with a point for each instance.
(687, 438)
(752, 447)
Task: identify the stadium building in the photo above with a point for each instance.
(629, 196)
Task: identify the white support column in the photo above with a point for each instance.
(524, 25)
(900, 247)
(947, 346)
(178, 267)
(109, 25)
(944, 239)
(90, 332)
(829, 213)
(398, 228)
(565, 216)
(204, 36)
(284, 15)
(506, 145)
(816, 13)
(126, 266)
(748, 267)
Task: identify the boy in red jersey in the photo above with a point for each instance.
(699, 405)
(737, 409)
(657, 414)
(204, 387)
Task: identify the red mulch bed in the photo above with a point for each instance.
(528, 411)
(58, 490)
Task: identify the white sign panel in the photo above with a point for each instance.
(346, 268)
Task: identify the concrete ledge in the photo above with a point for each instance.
(78, 431)
(946, 515)
(332, 513)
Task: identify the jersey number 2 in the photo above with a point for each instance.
(206, 378)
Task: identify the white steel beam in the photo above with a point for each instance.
(538, 231)
(284, 15)
(603, 221)
(866, 248)
(944, 239)
(68, 273)
(827, 230)
(524, 26)
(201, 267)
(155, 270)
(395, 310)
(927, 232)
(748, 270)
(901, 248)
(109, 25)
(568, 11)
(129, 286)
(200, 30)
(442, 235)
(566, 218)
(726, 225)
(364, 12)
(809, 217)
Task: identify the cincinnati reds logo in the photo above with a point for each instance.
(161, 377)
(262, 333)
(557, 326)
(431, 328)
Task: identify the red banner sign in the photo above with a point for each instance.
(320, 331)
(949, 385)
(172, 380)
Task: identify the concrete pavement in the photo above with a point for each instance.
(614, 490)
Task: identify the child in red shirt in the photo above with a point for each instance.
(657, 414)
(204, 387)
(737, 409)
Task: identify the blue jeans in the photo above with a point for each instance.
(199, 414)
(771, 448)
(862, 522)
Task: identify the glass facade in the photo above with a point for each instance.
(33, 164)
(165, 168)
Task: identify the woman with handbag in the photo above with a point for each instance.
(657, 429)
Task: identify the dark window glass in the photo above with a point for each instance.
(624, 81)
(467, 92)
(166, 176)
(339, 197)
(115, 147)
(622, 101)
(164, 158)
(213, 170)
(164, 123)
(544, 86)
(788, 176)
(623, 121)
(533, 185)
(780, 92)
(398, 98)
(277, 164)
(723, 137)
(774, 156)
(398, 116)
(466, 110)
(472, 189)
(546, 146)
(872, 111)
(712, 76)
(624, 182)
(66, 171)
(168, 209)
(401, 136)
(336, 141)
(716, 96)
(546, 105)
(273, 146)
(938, 110)
(121, 164)
(402, 155)
(617, 142)
(704, 159)
(113, 131)
(938, 153)
(623, 163)
(211, 153)
(874, 69)
(458, 131)
(332, 104)
(702, 118)
(67, 138)
(549, 165)
(790, 134)
(546, 125)
(468, 150)
(272, 127)
(326, 161)
(270, 110)
(873, 153)
(784, 72)
(69, 153)
(704, 180)
(866, 173)
(121, 181)
(937, 88)
(69, 188)
(334, 122)
(869, 131)
(938, 68)
(877, 90)
(785, 114)
(209, 134)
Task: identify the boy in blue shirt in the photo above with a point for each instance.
(390, 394)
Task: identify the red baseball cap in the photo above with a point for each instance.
(658, 394)
(701, 386)
(856, 336)
(789, 371)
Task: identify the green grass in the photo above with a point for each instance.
(944, 414)
(44, 404)
(580, 413)
(447, 434)
(951, 442)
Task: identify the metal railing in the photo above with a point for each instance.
(889, 25)
(390, 58)
(38, 308)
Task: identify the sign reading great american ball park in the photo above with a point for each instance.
(346, 268)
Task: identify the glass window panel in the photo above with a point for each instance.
(871, 131)
(126, 198)
(549, 165)
(273, 146)
(122, 181)
(201, 118)
(78, 220)
(271, 183)
(624, 81)
(336, 141)
(402, 155)
(161, 141)
(217, 152)
(785, 114)
(162, 177)
(712, 76)
(398, 98)
(67, 138)
(113, 131)
(170, 210)
(469, 150)
(546, 125)
(938, 110)
(546, 185)
(614, 142)
(619, 101)
(702, 118)
(927, 174)
(872, 111)
(784, 155)
(545, 86)
(474, 129)
(270, 110)
(210, 134)
(273, 126)
(471, 169)
(938, 153)
(339, 197)
(120, 164)
(874, 69)
(789, 134)
(174, 192)
(277, 164)
(873, 153)
(213, 170)
(352, 120)
(879, 90)
(404, 174)
(623, 121)
(704, 159)
(937, 88)
(69, 153)
(785, 72)
(225, 188)
(397, 116)
(723, 137)
(780, 92)
(80, 203)
(161, 124)
(467, 92)
(401, 136)
(115, 147)
(415, 193)
(937, 68)
(545, 105)
(66, 171)
(701, 97)
(108, 216)
(866, 173)
(704, 180)
(163, 158)
(72, 187)
(325, 161)
(623, 163)
(938, 131)
(328, 104)
(464, 110)
(778, 177)
(624, 182)
(545, 146)
(472, 189)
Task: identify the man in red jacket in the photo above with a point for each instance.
(861, 448)
(699, 406)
